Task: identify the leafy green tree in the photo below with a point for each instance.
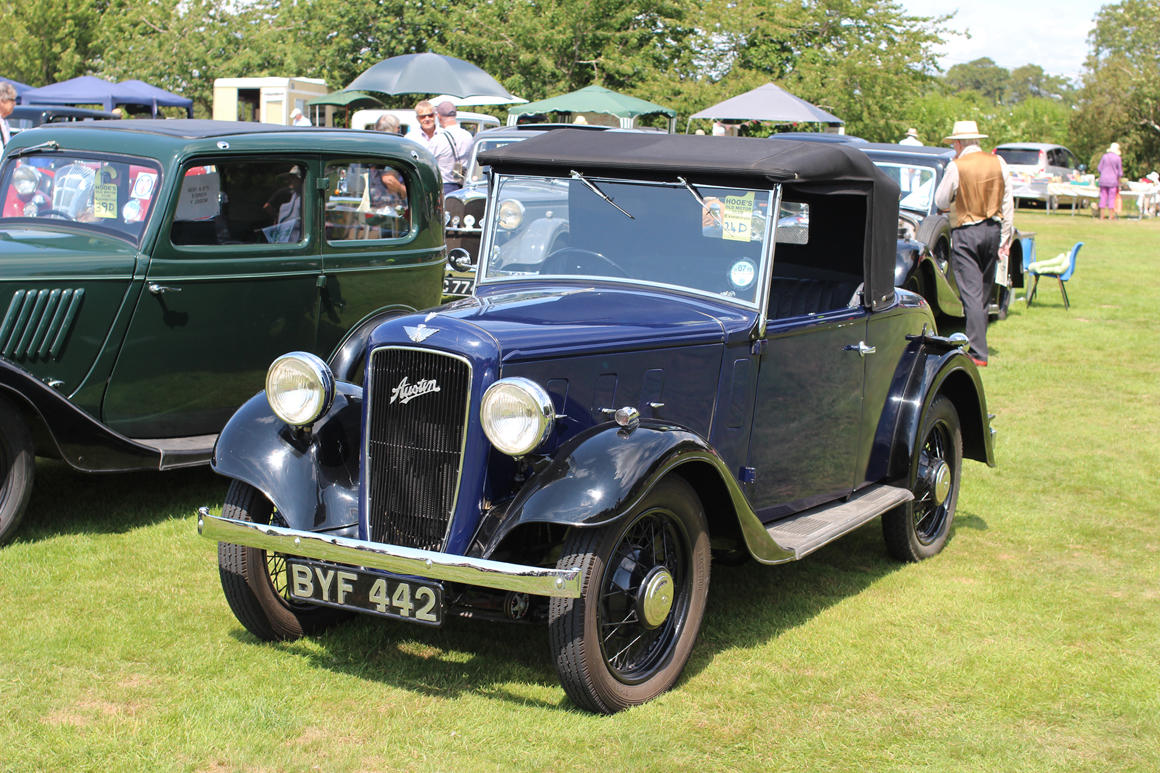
(47, 41)
(183, 45)
(1120, 98)
(981, 75)
(1030, 82)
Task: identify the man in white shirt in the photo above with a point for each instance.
(298, 119)
(430, 136)
(911, 138)
(7, 105)
(460, 141)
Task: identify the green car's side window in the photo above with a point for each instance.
(366, 200)
(242, 202)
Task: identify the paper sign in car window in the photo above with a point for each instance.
(143, 186)
(199, 197)
(738, 212)
(105, 200)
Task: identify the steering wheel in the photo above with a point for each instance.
(572, 260)
(57, 213)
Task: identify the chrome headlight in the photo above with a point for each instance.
(299, 388)
(24, 180)
(511, 214)
(517, 415)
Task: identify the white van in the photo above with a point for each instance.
(473, 122)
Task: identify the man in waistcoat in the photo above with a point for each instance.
(980, 186)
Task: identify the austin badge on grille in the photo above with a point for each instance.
(405, 392)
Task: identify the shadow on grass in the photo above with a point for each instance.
(65, 501)
(748, 606)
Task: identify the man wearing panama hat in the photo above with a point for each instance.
(980, 186)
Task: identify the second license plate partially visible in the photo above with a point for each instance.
(348, 588)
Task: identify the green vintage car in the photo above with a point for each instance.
(150, 271)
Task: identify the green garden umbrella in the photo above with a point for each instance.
(595, 99)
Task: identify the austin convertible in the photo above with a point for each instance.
(716, 367)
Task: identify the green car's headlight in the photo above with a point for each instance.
(511, 214)
(517, 415)
(299, 388)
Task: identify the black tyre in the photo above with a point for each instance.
(255, 581)
(17, 466)
(1002, 304)
(646, 577)
(935, 233)
(919, 529)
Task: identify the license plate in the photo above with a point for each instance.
(377, 594)
(452, 286)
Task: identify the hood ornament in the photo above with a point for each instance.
(421, 333)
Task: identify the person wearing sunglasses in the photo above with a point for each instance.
(432, 136)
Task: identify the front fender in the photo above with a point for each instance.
(599, 475)
(311, 477)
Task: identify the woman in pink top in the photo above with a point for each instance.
(1111, 169)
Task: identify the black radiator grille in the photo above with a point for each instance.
(414, 448)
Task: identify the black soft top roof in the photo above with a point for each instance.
(666, 155)
(809, 169)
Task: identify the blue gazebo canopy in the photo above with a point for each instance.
(90, 90)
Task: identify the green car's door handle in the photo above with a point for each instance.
(157, 289)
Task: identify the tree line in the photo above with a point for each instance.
(867, 61)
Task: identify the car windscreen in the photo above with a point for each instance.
(704, 239)
(915, 182)
(1019, 156)
(113, 195)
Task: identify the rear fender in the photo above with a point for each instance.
(310, 476)
(600, 475)
(952, 373)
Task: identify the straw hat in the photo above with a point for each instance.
(912, 133)
(965, 130)
(1114, 148)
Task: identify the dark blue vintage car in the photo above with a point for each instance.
(689, 380)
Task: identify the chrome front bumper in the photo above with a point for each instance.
(564, 583)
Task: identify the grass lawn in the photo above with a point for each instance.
(1031, 644)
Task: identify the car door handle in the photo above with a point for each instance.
(861, 348)
(157, 289)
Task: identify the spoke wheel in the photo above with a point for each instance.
(920, 528)
(646, 577)
(17, 469)
(255, 582)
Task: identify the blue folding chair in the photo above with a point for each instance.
(1061, 276)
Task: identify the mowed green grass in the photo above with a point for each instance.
(1031, 644)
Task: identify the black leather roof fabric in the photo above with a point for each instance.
(774, 161)
(815, 168)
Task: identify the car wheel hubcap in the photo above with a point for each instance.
(940, 482)
(656, 597)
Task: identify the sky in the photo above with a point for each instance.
(1049, 33)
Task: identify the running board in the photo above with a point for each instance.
(809, 530)
(181, 452)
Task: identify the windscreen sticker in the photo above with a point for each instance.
(143, 187)
(738, 211)
(105, 200)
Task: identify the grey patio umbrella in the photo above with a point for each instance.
(428, 73)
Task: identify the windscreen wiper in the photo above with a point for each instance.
(50, 145)
(714, 213)
(592, 187)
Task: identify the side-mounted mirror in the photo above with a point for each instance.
(459, 259)
(960, 340)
